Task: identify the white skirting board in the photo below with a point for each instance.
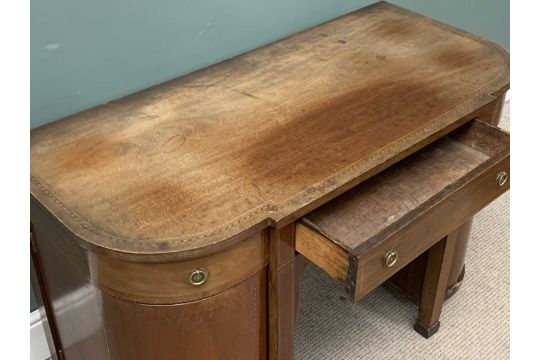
(79, 305)
(39, 349)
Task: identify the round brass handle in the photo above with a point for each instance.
(391, 257)
(502, 177)
(198, 276)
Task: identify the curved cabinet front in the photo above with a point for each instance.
(230, 325)
(104, 309)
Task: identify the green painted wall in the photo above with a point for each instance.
(84, 53)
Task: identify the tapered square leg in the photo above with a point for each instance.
(433, 293)
(281, 294)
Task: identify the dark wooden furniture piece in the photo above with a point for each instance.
(166, 224)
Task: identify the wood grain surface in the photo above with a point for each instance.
(382, 201)
(327, 255)
(439, 262)
(167, 283)
(230, 325)
(407, 208)
(193, 165)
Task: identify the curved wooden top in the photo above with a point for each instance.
(192, 165)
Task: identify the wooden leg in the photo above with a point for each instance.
(439, 262)
(457, 270)
(281, 294)
(490, 114)
(300, 265)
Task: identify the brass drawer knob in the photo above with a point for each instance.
(391, 257)
(198, 276)
(502, 177)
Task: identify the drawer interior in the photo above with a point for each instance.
(417, 197)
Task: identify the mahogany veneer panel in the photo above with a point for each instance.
(195, 164)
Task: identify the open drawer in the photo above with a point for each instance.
(366, 235)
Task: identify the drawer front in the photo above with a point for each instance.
(178, 282)
(418, 236)
(366, 235)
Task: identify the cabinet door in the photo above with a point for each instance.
(229, 325)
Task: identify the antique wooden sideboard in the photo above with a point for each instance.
(175, 223)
